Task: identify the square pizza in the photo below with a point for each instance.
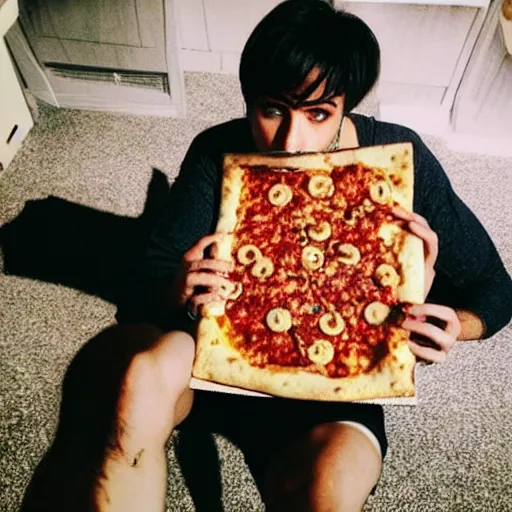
(322, 273)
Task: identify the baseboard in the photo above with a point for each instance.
(480, 144)
(431, 120)
(436, 121)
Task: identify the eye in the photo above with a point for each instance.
(318, 115)
(272, 111)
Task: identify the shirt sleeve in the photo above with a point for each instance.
(188, 215)
(189, 212)
(469, 271)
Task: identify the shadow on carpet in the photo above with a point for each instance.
(56, 241)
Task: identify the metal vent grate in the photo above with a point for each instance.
(141, 79)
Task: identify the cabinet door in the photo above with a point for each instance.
(15, 118)
(116, 55)
(116, 34)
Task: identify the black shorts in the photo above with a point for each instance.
(260, 427)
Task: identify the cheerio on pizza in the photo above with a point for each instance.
(322, 272)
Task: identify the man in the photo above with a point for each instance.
(303, 70)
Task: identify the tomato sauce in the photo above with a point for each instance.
(280, 232)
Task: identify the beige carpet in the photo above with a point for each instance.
(452, 452)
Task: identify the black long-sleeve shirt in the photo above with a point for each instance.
(469, 271)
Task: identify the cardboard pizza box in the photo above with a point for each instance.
(205, 385)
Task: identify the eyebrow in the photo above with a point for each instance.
(307, 103)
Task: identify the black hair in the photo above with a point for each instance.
(300, 35)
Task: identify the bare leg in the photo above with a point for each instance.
(331, 469)
(122, 395)
(154, 400)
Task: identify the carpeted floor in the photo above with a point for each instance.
(73, 206)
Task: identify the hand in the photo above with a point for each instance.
(420, 227)
(203, 280)
(442, 336)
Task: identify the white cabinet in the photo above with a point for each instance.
(115, 55)
(108, 35)
(15, 118)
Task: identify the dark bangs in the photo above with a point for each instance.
(299, 36)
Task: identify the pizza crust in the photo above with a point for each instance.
(206, 385)
(409, 249)
(232, 182)
(395, 159)
(412, 286)
(230, 199)
(217, 361)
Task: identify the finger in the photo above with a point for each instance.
(431, 332)
(197, 251)
(426, 353)
(204, 298)
(429, 237)
(206, 280)
(444, 313)
(220, 266)
(405, 214)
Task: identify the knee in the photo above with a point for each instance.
(334, 469)
(320, 488)
(155, 394)
(345, 469)
(165, 366)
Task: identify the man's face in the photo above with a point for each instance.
(280, 124)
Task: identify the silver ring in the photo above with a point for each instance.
(192, 314)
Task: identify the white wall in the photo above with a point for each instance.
(212, 33)
(420, 44)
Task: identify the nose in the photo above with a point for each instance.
(293, 135)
